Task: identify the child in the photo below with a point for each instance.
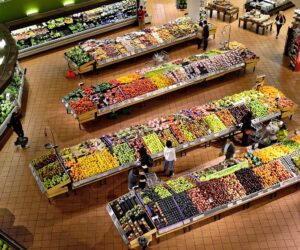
(170, 157)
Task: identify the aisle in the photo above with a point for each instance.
(80, 221)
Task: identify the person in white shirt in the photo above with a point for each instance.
(170, 157)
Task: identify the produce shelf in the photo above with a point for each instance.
(98, 64)
(117, 152)
(74, 37)
(246, 199)
(18, 100)
(231, 60)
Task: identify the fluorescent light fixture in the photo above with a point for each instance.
(32, 12)
(2, 44)
(68, 2)
(1, 59)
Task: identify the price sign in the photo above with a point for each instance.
(198, 217)
(230, 205)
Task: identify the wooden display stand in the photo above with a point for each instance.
(149, 236)
(88, 116)
(250, 64)
(227, 10)
(59, 189)
(288, 112)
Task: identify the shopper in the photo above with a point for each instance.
(16, 125)
(200, 34)
(246, 128)
(143, 242)
(280, 20)
(145, 160)
(170, 158)
(142, 177)
(229, 149)
(205, 35)
(141, 17)
(133, 178)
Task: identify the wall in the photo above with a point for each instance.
(16, 9)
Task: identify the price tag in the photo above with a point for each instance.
(185, 145)
(217, 134)
(193, 143)
(202, 139)
(260, 193)
(230, 205)
(238, 202)
(187, 221)
(198, 217)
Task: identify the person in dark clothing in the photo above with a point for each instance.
(142, 177)
(145, 160)
(133, 178)
(200, 34)
(280, 20)
(16, 125)
(229, 149)
(246, 128)
(205, 35)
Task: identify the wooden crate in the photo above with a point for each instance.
(87, 116)
(134, 243)
(58, 189)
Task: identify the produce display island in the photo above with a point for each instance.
(225, 7)
(269, 7)
(110, 154)
(87, 103)
(62, 30)
(11, 98)
(203, 193)
(96, 54)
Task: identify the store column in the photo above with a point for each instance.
(193, 7)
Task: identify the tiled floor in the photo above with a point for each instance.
(80, 221)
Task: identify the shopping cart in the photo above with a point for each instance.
(152, 179)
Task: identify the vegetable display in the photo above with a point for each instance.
(53, 29)
(117, 151)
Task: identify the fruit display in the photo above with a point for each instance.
(131, 216)
(269, 153)
(184, 126)
(78, 56)
(63, 27)
(233, 187)
(148, 80)
(124, 153)
(239, 112)
(258, 109)
(93, 164)
(153, 143)
(154, 194)
(296, 138)
(166, 211)
(49, 170)
(82, 105)
(134, 42)
(251, 182)
(223, 169)
(202, 204)
(215, 192)
(279, 170)
(214, 123)
(267, 177)
(296, 161)
(186, 205)
(226, 117)
(180, 184)
(166, 135)
(11, 97)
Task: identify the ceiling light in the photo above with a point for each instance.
(68, 2)
(32, 12)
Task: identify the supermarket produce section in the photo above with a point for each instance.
(87, 103)
(114, 153)
(201, 194)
